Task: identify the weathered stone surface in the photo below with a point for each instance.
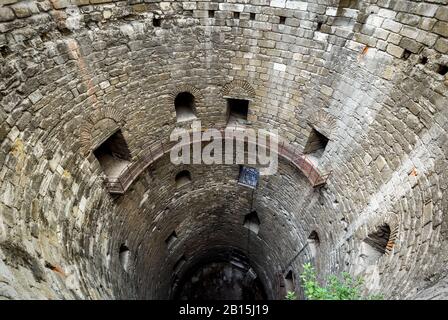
(6, 14)
(441, 28)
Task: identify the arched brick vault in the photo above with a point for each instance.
(238, 89)
(387, 156)
(87, 145)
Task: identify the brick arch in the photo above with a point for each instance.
(91, 120)
(186, 88)
(389, 219)
(323, 121)
(238, 89)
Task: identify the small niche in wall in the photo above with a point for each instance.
(282, 20)
(442, 69)
(290, 283)
(237, 111)
(248, 177)
(252, 222)
(423, 60)
(183, 178)
(316, 144)
(156, 22)
(179, 264)
(319, 25)
(236, 15)
(4, 51)
(313, 243)
(113, 155)
(211, 13)
(172, 238)
(375, 245)
(252, 16)
(406, 54)
(124, 255)
(185, 107)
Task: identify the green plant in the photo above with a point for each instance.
(291, 295)
(337, 288)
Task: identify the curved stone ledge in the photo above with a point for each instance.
(121, 183)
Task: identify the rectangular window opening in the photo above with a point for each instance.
(316, 144)
(157, 22)
(113, 155)
(237, 111)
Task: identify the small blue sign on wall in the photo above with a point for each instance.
(249, 177)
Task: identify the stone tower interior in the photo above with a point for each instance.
(92, 207)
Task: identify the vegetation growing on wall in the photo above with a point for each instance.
(342, 287)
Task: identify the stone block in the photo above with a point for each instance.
(411, 45)
(231, 7)
(427, 23)
(386, 13)
(189, 5)
(409, 32)
(101, 1)
(442, 13)
(6, 2)
(278, 3)
(409, 19)
(296, 5)
(425, 9)
(391, 25)
(441, 45)
(441, 28)
(426, 38)
(6, 14)
(24, 9)
(394, 50)
(60, 4)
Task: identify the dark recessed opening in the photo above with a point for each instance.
(171, 239)
(113, 155)
(236, 15)
(183, 178)
(4, 51)
(313, 243)
(290, 285)
(406, 54)
(282, 20)
(424, 60)
(185, 106)
(252, 16)
(156, 22)
(211, 13)
(124, 254)
(442, 69)
(319, 25)
(252, 222)
(237, 111)
(220, 274)
(316, 143)
(376, 244)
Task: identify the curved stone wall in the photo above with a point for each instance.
(371, 76)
